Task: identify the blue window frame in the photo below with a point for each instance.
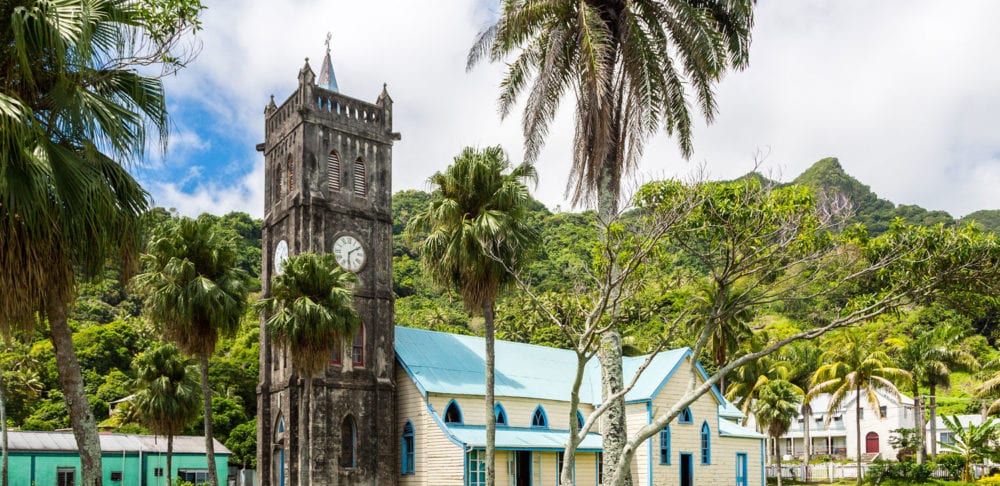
(665, 446)
(706, 444)
(408, 455)
(685, 417)
(579, 420)
(538, 419)
(741, 469)
(476, 468)
(500, 414)
(452, 413)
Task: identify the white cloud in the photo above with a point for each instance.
(903, 92)
(246, 194)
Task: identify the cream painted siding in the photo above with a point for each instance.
(636, 417)
(519, 410)
(438, 460)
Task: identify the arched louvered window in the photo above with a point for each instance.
(291, 174)
(348, 443)
(333, 172)
(360, 179)
(408, 456)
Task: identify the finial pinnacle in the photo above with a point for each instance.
(328, 37)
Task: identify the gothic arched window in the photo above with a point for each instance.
(408, 452)
(539, 419)
(358, 348)
(348, 443)
(452, 414)
(333, 172)
(278, 180)
(291, 174)
(500, 414)
(360, 178)
(706, 444)
(685, 416)
(579, 420)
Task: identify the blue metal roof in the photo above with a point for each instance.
(732, 429)
(327, 78)
(521, 438)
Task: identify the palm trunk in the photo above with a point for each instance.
(934, 436)
(857, 423)
(807, 437)
(170, 459)
(777, 456)
(81, 417)
(918, 419)
(206, 394)
(3, 426)
(491, 418)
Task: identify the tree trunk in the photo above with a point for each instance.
(934, 436)
(918, 423)
(857, 423)
(170, 459)
(491, 418)
(777, 457)
(3, 425)
(206, 393)
(81, 417)
(807, 437)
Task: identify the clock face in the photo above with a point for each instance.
(280, 255)
(349, 253)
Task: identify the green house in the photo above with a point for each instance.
(51, 459)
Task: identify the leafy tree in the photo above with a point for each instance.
(194, 290)
(856, 366)
(311, 312)
(474, 236)
(166, 393)
(243, 442)
(973, 443)
(907, 441)
(749, 381)
(631, 65)
(777, 405)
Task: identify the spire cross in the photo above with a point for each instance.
(328, 37)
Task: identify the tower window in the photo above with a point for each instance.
(348, 443)
(538, 419)
(500, 413)
(358, 348)
(360, 179)
(333, 172)
(452, 414)
(291, 174)
(278, 173)
(408, 453)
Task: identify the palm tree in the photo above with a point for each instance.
(475, 237)
(971, 442)
(856, 364)
(70, 119)
(747, 381)
(167, 394)
(630, 64)
(311, 311)
(777, 406)
(723, 305)
(193, 288)
(803, 360)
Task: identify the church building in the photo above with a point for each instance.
(402, 406)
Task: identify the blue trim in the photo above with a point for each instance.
(742, 474)
(461, 419)
(443, 427)
(706, 444)
(665, 441)
(704, 376)
(409, 373)
(407, 463)
(685, 417)
(499, 410)
(649, 447)
(680, 468)
(545, 418)
(763, 477)
(579, 420)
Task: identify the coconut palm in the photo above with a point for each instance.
(747, 381)
(777, 405)
(856, 365)
(803, 360)
(311, 311)
(632, 66)
(69, 120)
(973, 443)
(166, 395)
(193, 289)
(475, 234)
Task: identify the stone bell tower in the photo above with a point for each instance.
(328, 174)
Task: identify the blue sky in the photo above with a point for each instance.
(905, 93)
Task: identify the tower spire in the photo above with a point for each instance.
(327, 78)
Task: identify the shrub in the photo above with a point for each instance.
(952, 463)
(993, 480)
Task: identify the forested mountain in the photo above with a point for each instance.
(110, 330)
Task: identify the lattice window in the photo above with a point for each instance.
(333, 172)
(360, 179)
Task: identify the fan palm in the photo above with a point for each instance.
(68, 123)
(166, 393)
(777, 405)
(631, 66)
(475, 234)
(856, 365)
(193, 288)
(311, 311)
(972, 443)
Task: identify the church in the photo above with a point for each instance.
(402, 406)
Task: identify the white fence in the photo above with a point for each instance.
(831, 471)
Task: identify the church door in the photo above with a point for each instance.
(871, 443)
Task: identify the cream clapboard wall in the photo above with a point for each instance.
(519, 410)
(438, 460)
